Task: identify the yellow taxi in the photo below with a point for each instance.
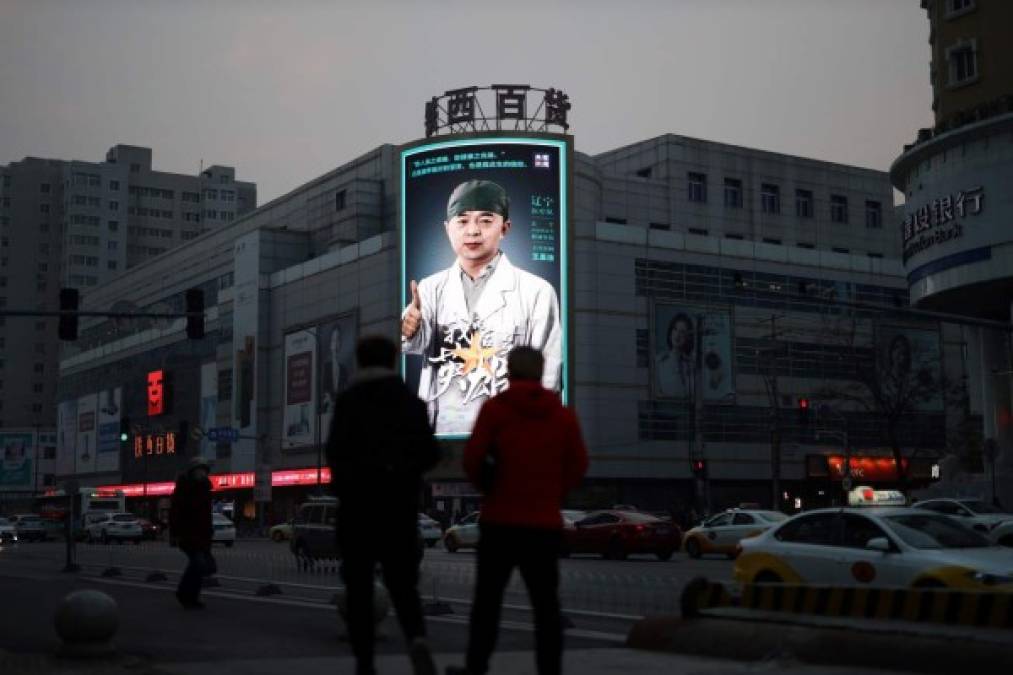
(722, 533)
(882, 546)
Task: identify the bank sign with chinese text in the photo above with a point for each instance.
(940, 220)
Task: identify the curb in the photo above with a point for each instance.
(877, 646)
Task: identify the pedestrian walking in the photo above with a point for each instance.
(379, 446)
(191, 530)
(525, 453)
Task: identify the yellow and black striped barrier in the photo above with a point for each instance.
(933, 605)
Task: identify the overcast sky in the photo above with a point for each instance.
(285, 91)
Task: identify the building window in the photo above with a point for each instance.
(770, 198)
(615, 221)
(43, 227)
(875, 255)
(114, 185)
(135, 168)
(37, 388)
(40, 348)
(696, 187)
(114, 206)
(36, 407)
(699, 231)
(43, 208)
(7, 180)
(955, 8)
(659, 226)
(805, 244)
(771, 240)
(733, 193)
(804, 203)
(44, 188)
(873, 215)
(838, 208)
(736, 237)
(39, 368)
(339, 200)
(837, 249)
(963, 63)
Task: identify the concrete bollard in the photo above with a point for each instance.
(86, 622)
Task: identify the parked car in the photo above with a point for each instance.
(8, 533)
(29, 527)
(314, 529)
(571, 516)
(107, 527)
(224, 530)
(281, 531)
(464, 534)
(429, 530)
(722, 533)
(617, 534)
(976, 514)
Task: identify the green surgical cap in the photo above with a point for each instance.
(478, 195)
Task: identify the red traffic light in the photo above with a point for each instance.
(803, 404)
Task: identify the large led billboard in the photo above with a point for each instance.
(484, 265)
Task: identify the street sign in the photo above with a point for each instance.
(223, 434)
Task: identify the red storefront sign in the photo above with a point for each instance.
(229, 481)
(156, 393)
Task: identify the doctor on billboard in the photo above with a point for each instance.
(465, 319)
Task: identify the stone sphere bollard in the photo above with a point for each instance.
(381, 603)
(86, 621)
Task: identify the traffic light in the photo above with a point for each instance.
(69, 300)
(803, 412)
(124, 429)
(699, 467)
(195, 313)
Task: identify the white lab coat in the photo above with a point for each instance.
(516, 308)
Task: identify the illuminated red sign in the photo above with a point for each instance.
(229, 481)
(865, 468)
(156, 393)
(155, 444)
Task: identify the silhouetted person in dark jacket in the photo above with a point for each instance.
(379, 446)
(191, 529)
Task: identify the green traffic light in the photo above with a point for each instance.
(124, 437)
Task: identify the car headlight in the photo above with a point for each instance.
(990, 579)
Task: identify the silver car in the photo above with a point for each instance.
(107, 527)
(8, 533)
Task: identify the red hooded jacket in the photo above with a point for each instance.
(540, 456)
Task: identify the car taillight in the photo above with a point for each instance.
(639, 528)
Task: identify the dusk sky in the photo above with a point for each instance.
(285, 91)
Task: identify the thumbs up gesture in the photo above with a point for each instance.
(413, 317)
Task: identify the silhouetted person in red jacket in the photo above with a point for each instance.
(539, 457)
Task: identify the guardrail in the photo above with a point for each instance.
(957, 607)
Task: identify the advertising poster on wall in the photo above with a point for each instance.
(337, 362)
(17, 454)
(87, 434)
(910, 361)
(245, 326)
(66, 437)
(484, 246)
(110, 404)
(692, 347)
(299, 424)
(208, 407)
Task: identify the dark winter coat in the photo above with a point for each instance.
(379, 446)
(540, 456)
(190, 513)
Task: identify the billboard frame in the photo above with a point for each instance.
(564, 143)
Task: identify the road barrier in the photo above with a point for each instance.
(956, 607)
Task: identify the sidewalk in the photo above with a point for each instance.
(577, 662)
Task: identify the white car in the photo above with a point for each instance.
(224, 530)
(880, 547)
(107, 527)
(462, 535)
(429, 530)
(8, 533)
(977, 514)
(722, 533)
